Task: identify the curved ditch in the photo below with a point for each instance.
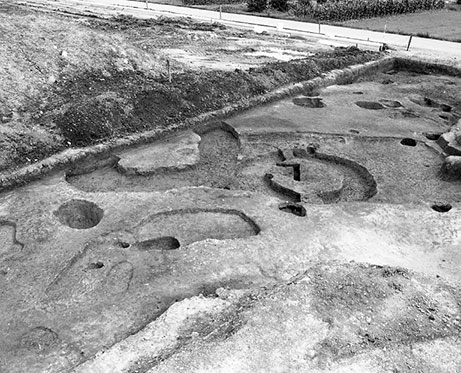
(360, 185)
(336, 180)
(185, 226)
(293, 208)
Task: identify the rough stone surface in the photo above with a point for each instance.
(457, 131)
(175, 153)
(452, 166)
(449, 144)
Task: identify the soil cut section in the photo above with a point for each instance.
(103, 79)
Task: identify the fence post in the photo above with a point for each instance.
(147, 4)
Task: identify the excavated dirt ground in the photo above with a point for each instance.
(313, 234)
(389, 146)
(303, 235)
(71, 78)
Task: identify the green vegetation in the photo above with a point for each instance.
(210, 2)
(437, 24)
(342, 10)
(263, 5)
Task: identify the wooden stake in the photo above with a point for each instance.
(409, 42)
(319, 27)
(169, 70)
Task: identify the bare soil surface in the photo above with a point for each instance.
(71, 80)
(378, 162)
(316, 233)
(335, 317)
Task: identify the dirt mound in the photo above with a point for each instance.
(124, 22)
(79, 80)
(336, 317)
(139, 102)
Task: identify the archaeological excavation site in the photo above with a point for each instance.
(237, 214)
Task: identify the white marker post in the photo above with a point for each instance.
(147, 4)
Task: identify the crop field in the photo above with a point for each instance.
(440, 24)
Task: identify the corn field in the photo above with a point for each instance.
(343, 10)
(211, 2)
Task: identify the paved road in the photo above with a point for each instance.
(422, 47)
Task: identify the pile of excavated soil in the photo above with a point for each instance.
(102, 108)
(74, 81)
